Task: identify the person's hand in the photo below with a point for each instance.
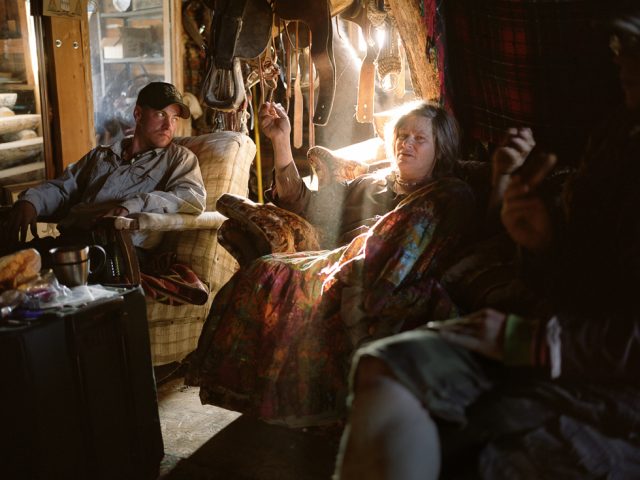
(274, 122)
(481, 332)
(524, 214)
(512, 152)
(117, 212)
(22, 216)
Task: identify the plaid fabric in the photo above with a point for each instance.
(225, 160)
(167, 281)
(537, 63)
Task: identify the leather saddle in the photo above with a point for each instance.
(317, 15)
(241, 30)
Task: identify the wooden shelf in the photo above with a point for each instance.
(15, 87)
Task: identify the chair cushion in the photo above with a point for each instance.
(225, 161)
(222, 157)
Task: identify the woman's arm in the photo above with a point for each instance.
(288, 191)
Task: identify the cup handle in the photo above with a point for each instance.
(103, 259)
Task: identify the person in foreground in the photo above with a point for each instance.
(145, 172)
(279, 337)
(551, 395)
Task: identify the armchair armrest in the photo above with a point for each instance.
(164, 222)
(254, 229)
(347, 163)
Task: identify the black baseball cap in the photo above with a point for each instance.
(159, 95)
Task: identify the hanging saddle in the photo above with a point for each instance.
(242, 31)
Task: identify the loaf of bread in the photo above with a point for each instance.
(18, 268)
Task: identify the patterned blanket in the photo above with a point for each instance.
(279, 337)
(172, 283)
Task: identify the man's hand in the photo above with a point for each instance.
(508, 157)
(481, 332)
(117, 212)
(512, 152)
(274, 122)
(524, 214)
(22, 216)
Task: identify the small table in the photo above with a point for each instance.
(78, 396)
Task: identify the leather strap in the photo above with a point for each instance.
(312, 100)
(316, 14)
(366, 88)
(256, 32)
(357, 14)
(298, 104)
(228, 24)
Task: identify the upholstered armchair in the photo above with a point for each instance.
(225, 160)
(253, 229)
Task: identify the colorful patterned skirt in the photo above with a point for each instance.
(280, 335)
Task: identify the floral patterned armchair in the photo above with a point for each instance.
(253, 230)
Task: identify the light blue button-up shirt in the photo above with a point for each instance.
(160, 180)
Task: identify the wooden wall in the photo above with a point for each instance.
(66, 45)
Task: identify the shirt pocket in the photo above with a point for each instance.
(145, 180)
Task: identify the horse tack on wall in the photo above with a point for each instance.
(232, 39)
(242, 30)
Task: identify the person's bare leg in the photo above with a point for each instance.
(390, 434)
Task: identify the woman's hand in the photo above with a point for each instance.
(274, 122)
(481, 332)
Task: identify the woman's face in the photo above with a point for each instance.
(415, 148)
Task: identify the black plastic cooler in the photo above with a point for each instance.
(77, 395)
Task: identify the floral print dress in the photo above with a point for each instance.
(280, 335)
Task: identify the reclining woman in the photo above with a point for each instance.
(279, 338)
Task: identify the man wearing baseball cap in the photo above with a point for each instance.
(145, 172)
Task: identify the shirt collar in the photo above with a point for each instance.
(118, 148)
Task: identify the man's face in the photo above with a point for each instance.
(155, 128)
(627, 48)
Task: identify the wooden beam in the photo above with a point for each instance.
(15, 123)
(13, 152)
(72, 94)
(424, 75)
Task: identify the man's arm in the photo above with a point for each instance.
(506, 159)
(53, 197)
(605, 348)
(524, 213)
(49, 199)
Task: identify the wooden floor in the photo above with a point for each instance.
(203, 442)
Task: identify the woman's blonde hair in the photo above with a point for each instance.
(446, 133)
